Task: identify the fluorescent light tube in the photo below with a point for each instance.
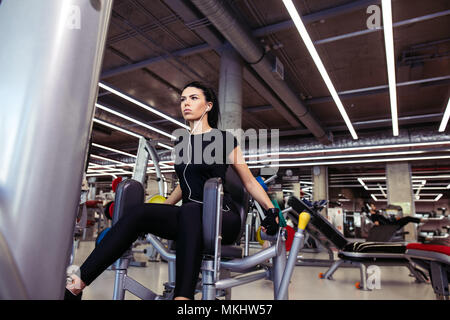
(165, 146)
(390, 60)
(361, 155)
(114, 150)
(443, 176)
(106, 124)
(106, 174)
(391, 146)
(315, 56)
(135, 121)
(445, 117)
(142, 105)
(107, 159)
(362, 183)
(382, 191)
(305, 164)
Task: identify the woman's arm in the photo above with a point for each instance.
(250, 183)
(175, 196)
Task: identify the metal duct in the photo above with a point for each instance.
(364, 140)
(410, 136)
(251, 51)
(215, 43)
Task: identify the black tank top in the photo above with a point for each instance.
(208, 159)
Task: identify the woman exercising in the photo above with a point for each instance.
(183, 223)
(379, 219)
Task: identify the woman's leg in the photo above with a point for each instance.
(405, 220)
(158, 219)
(170, 222)
(231, 227)
(190, 245)
(189, 249)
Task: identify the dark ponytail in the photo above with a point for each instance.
(210, 96)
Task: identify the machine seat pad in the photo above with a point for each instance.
(231, 252)
(375, 247)
(429, 247)
(227, 251)
(93, 203)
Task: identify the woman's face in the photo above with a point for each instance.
(193, 103)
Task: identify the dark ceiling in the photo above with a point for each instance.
(154, 49)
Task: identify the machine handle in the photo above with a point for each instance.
(303, 220)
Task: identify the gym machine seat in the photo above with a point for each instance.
(357, 254)
(218, 260)
(436, 260)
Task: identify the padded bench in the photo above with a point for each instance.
(219, 261)
(357, 254)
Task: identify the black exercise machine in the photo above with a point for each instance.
(356, 254)
(436, 260)
(219, 261)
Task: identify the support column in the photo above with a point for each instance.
(230, 89)
(50, 62)
(296, 188)
(320, 185)
(400, 192)
(92, 188)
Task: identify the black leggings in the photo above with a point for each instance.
(180, 223)
(405, 220)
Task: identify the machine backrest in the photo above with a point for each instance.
(319, 223)
(382, 233)
(129, 193)
(239, 195)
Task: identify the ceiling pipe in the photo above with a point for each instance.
(215, 42)
(262, 32)
(375, 142)
(252, 52)
(379, 123)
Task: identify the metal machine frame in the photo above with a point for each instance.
(351, 259)
(252, 268)
(217, 265)
(438, 266)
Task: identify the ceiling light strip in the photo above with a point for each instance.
(142, 124)
(113, 150)
(106, 174)
(340, 156)
(165, 146)
(106, 159)
(349, 161)
(404, 145)
(390, 59)
(96, 165)
(315, 56)
(142, 105)
(445, 117)
(106, 124)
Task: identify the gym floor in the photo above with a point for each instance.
(305, 284)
